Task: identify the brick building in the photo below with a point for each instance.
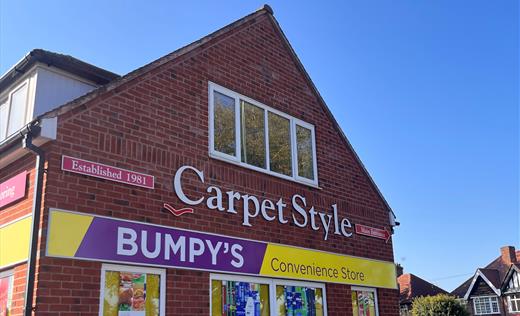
(494, 289)
(213, 180)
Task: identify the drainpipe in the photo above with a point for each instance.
(28, 134)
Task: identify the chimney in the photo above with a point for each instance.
(508, 254)
(399, 269)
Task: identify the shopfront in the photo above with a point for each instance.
(213, 181)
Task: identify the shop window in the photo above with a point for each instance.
(254, 296)
(364, 302)
(6, 292)
(255, 136)
(513, 302)
(486, 305)
(232, 295)
(299, 300)
(129, 291)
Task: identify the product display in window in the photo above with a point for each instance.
(230, 298)
(6, 295)
(299, 301)
(363, 303)
(131, 294)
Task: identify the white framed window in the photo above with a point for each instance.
(131, 290)
(257, 296)
(486, 305)
(513, 302)
(364, 301)
(6, 291)
(253, 135)
(13, 110)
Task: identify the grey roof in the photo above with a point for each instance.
(64, 62)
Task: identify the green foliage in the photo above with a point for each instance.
(438, 305)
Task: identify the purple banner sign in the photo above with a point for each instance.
(114, 240)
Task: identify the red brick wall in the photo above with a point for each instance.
(159, 122)
(13, 212)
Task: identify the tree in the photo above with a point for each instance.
(438, 305)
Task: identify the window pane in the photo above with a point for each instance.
(17, 115)
(239, 298)
(6, 294)
(130, 292)
(304, 152)
(224, 124)
(280, 159)
(3, 120)
(298, 300)
(252, 134)
(363, 303)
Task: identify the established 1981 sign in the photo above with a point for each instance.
(106, 172)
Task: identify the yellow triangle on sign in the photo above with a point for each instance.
(66, 231)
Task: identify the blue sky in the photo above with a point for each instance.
(426, 91)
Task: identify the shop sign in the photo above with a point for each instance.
(296, 211)
(14, 241)
(13, 189)
(97, 238)
(106, 172)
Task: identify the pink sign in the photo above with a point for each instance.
(13, 189)
(102, 171)
(373, 232)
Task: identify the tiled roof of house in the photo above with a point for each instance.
(497, 265)
(412, 286)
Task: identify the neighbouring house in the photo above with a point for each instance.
(495, 288)
(411, 287)
(212, 181)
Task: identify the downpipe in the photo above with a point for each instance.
(36, 212)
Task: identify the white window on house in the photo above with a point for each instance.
(129, 290)
(4, 113)
(6, 292)
(13, 111)
(243, 295)
(513, 303)
(253, 135)
(486, 305)
(17, 110)
(364, 301)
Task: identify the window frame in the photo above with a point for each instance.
(272, 287)
(237, 160)
(140, 269)
(366, 289)
(489, 299)
(509, 302)
(7, 97)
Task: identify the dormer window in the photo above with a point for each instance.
(13, 111)
(253, 135)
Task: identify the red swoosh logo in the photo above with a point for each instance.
(178, 212)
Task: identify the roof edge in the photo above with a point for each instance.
(155, 64)
(66, 63)
(478, 274)
(331, 116)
